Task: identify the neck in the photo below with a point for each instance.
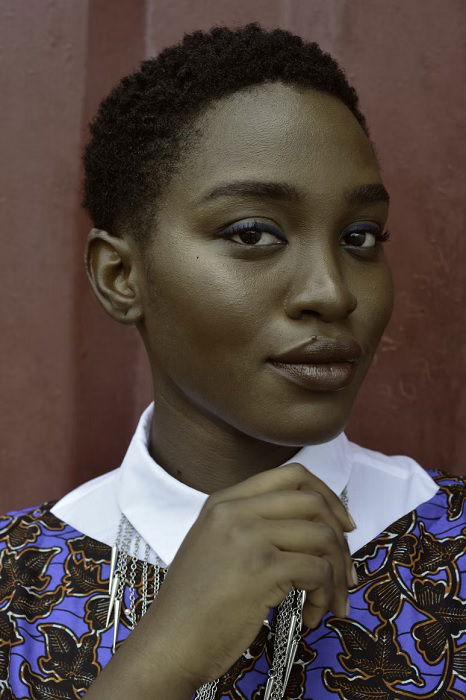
(205, 453)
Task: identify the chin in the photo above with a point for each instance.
(304, 424)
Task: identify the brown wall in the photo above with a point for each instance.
(67, 370)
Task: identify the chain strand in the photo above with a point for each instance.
(144, 581)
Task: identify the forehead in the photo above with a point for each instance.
(277, 132)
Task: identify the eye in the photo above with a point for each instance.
(364, 236)
(251, 232)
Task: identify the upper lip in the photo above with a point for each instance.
(322, 350)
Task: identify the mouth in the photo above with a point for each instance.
(322, 376)
(321, 363)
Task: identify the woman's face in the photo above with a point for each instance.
(216, 309)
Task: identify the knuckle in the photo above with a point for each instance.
(210, 502)
(317, 500)
(218, 511)
(319, 600)
(239, 529)
(262, 561)
(329, 537)
(326, 570)
(268, 557)
(298, 470)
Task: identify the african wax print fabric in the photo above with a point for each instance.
(405, 636)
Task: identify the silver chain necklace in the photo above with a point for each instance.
(123, 565)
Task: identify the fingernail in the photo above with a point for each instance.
(354, 574)
(352, 521)
(348, 608)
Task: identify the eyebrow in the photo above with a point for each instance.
(363, 194)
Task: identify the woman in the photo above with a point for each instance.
(239, 219)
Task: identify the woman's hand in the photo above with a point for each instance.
(251, 544)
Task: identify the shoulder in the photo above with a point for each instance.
(39, 529)
(43, 560)
(405, 467)
(444, 478)
(401, 465)
(29, 540)
(92, 508)
(20, 527)
(451, 495)
(395, 465)
(37, 549)
(52, 585)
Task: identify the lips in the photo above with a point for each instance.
(322, 350)
(321, 363)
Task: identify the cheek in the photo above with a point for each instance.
(375, 304)
(202, 303)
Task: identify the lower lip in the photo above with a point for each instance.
(321, 377)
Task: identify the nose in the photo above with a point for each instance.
(319, 287)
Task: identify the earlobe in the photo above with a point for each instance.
(112, 271)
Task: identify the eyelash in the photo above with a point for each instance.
(260, 227)
(382, 236)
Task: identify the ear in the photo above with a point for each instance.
(111, 266)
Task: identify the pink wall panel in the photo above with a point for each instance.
(43, 59)
(68, 389)
(73, 381)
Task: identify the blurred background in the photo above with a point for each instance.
(73, 382)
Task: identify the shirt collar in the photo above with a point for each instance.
(163, 509)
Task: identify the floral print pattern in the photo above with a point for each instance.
(405, 636)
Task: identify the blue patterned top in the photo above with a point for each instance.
(405, 636)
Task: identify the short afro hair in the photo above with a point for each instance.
(147, 122)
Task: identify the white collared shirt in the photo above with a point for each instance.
(380, 489)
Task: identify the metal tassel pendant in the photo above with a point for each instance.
(269, 687)
(291, 646)
(291, 634)
(112, 600)
(294, 637)
(279, 674)
(290, 661)
(116, 622)
(113, 562)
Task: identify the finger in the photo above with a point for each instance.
(313, 614)
(300, 505)
(312, 574)
(317, 539)
(333, 502)
(317, 605)
(293, 476)
(306, 571)
(325, 511)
